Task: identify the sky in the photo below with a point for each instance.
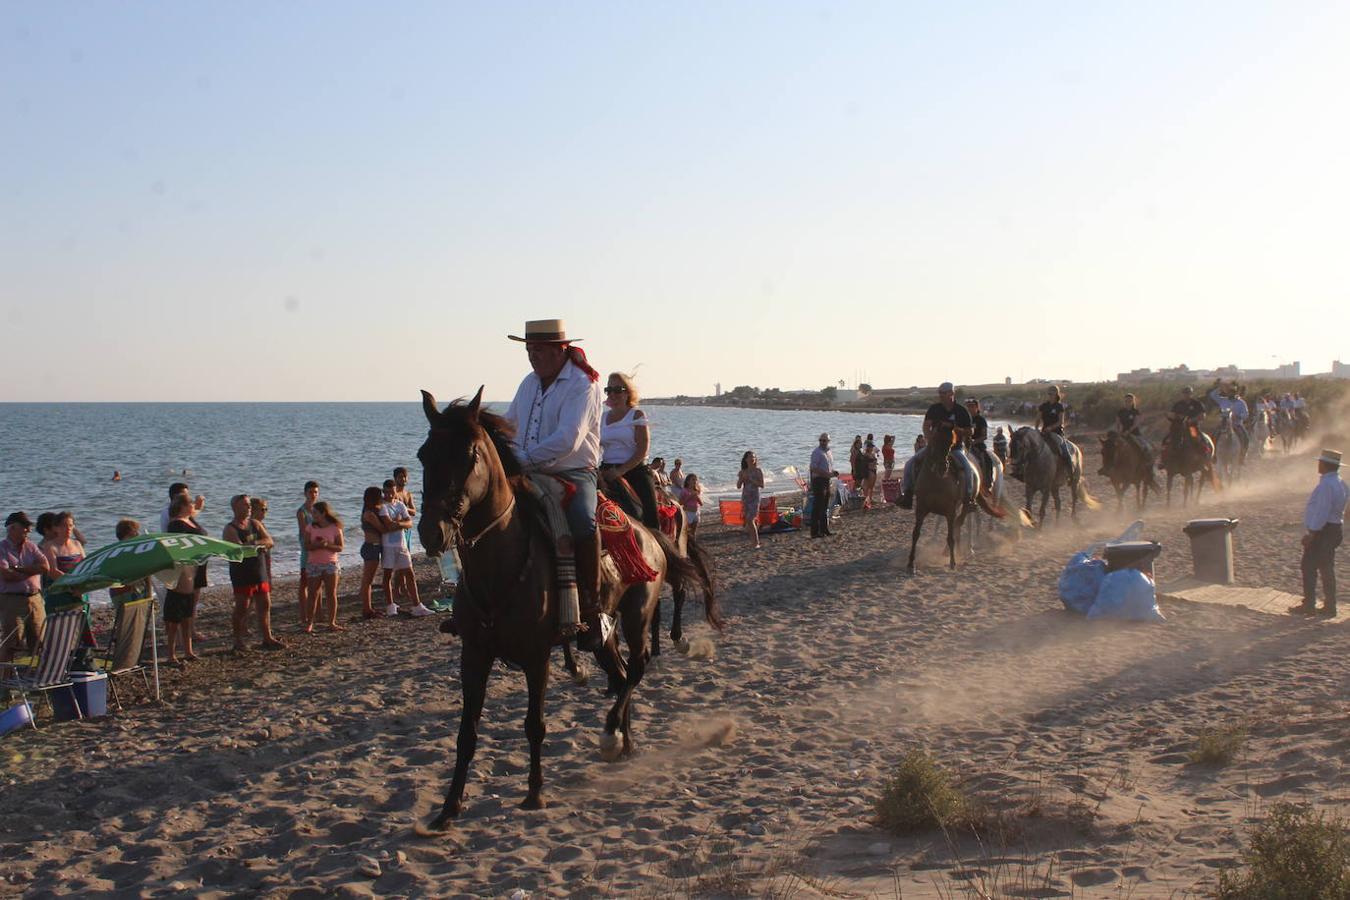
(351, 201)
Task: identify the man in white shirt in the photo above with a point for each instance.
(556, 414)
(822, 470)
(1323, 520)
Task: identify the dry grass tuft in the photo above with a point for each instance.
(1219, 745)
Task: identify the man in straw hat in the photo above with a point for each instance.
(556, 414)
(1323, 518)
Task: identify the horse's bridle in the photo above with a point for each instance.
(459, 503)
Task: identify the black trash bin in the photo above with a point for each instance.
(1131, 555)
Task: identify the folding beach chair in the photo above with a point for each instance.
(51, 671)
(122, 656)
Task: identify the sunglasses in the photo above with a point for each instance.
(616, 390)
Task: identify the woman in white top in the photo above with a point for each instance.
(624, 476)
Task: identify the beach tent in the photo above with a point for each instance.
(125, 562)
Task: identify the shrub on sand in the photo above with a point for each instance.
(1219, 745)
(1295, 853)
(919, 795)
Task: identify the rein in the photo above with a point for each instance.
(469, 542)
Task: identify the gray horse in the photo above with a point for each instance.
(1044, 472)
(1227, 449)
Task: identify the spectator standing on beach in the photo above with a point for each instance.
(248, 577)
(1323, 521)
(64, 552)
(373, 527)
(22, 566)
(888, 456)
(624, 440)
(1001, 445)
(869, 459)
(405, 496)
(304, 517)
(691, 498)
(750, 480)
(257, 510)
(324, 569)
(855, 462)
(396, 559)
(677, 477)
(822, 470)
(180, 600)
(126, 530)
(175, 489)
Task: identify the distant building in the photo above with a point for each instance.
(717, 389)
(1340, 369)
(1184, 373)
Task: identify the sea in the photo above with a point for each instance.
(61, 456)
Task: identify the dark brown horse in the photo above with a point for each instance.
(938, 491)
(1127, 465)
(506, 606)
(1189, 454)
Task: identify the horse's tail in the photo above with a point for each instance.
(1084, 497)
(692, 569)
(990, 505)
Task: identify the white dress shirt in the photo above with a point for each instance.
(558, 427)
(1327, 503)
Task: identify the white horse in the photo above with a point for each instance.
(1261, 436)
(1227, 449)
(998, 488)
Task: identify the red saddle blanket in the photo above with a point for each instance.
(620, 542)
(665, 517)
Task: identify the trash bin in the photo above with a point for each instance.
(1131, 555)
(1212, 549)
(89, 689)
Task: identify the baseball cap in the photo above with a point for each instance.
(19, 518)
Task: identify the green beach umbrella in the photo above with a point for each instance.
(119, 564)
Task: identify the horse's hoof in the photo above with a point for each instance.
(437, 827)
(533, 802)
(581, 677)
(682, 647)
(611, 746)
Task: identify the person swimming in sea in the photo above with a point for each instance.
(117, 476)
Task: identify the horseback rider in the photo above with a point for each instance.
(946, 412)
(979, 434)
(1127, 423)
(1230, 401)
(556, 415)
(1050, 420)
(1187, 413)
(1001, 445)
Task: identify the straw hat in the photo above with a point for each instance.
(545, 331)
(1330, 457)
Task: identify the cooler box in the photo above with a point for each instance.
(90, 689)
(15, 718)
(1131, 555)
(732, 513)
(890, 490)
(1212, 549)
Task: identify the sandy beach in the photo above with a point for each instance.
(758, 764)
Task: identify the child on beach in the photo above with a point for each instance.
(373, 527)
(404, 496)
(888, 455)
(325, 543)
(249, 577)
(691, 498)
(397, 561)
(304, 517)
(750, 480)
(180, 600)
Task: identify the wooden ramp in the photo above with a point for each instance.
(1259, 599)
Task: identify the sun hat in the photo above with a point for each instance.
(545, 331)
(19, 518)
(1330, 457)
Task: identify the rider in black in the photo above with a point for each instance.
(1050, 419)
(979, 434)
(954, 416)
(1127, 424)
(1185, 413)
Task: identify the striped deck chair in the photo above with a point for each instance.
(122, 656)
(51, 672)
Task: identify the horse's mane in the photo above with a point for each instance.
(496, 428)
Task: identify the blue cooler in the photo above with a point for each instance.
(90, 689)
(15, 718)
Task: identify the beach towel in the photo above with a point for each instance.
(620, 542)
(553, 494)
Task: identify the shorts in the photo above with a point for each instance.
(319, 570)
(179, 607)
(21, 619)
(199, 580)
(397, 558)
(248, 590)
(370, 552)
